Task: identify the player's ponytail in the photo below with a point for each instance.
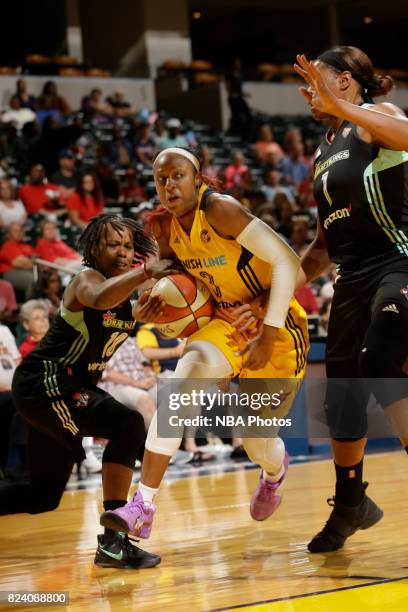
(380, 85)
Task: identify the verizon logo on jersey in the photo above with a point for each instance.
(341, 213)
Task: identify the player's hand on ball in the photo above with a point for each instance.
(260, 349)
(147, 308)
(162, 267)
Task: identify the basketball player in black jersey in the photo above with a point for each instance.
(55, 390)
(361, 187)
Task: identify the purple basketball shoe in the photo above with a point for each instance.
(136, 517)
(265, 499)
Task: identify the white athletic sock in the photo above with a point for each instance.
(274, 477)
(147, 493)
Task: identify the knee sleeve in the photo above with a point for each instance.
(267, 452)
(162, 446)
(202, 360)
(383, 354)
(123, 447)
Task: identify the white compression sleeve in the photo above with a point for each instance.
(262, 241)
(202, 360)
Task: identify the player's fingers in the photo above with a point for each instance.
(250, 321)
(144, 296)
(242, 319)
(240, 310)
(304, 91)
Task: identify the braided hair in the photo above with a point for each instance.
(144, 243)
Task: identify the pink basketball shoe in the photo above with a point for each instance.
(265, 499)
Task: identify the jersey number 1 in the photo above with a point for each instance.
(326, 193)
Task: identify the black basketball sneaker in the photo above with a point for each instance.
(343, 522)
(121, 553)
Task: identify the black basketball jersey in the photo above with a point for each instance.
(362, 196)
(80, 344)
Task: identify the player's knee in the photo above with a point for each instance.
(386, 345)
(266, 452)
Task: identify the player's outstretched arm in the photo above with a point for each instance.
(91, 289)
(384, 123)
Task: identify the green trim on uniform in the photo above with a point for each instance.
(386, 159)
(77, 321)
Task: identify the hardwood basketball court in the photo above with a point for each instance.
(214, 556)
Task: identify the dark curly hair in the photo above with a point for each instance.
(144, 243)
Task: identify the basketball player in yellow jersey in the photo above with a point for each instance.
(238, 257)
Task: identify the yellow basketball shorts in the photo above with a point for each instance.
(288, 359)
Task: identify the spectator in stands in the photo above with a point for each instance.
(17, 115)
(163, 353)
(26, 99)
(108, 181)
(9, 360)
(235, 170)
(34, 317)
(8, 302)
(273, 162)
(16, 260)
(51, 248)
(285, 210)
(121, 107)
(87, 201)
(295, 168)
(273, 185)
(38, 195)
(11, 209)
(306, 198)
(307, 299)
(130, 379)
(145, 145)
(207, 165)
(299, 237)
(48, 289)
(46, 110)
(266, 144)
(120, 149)
(292, 137)
(50, 99)
(94, 108)
(132, 191)
(66, 177)
(173, 138)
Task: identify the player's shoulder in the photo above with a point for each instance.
(221, 204)
(388, 108)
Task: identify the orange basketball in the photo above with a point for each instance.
(188, 305)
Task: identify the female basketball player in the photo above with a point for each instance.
(360, 181)
(237, 257)
(54, 387)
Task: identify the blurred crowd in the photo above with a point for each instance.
(61, 166)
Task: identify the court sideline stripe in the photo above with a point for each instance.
(304, 595)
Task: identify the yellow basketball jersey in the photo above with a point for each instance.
(233, 274)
